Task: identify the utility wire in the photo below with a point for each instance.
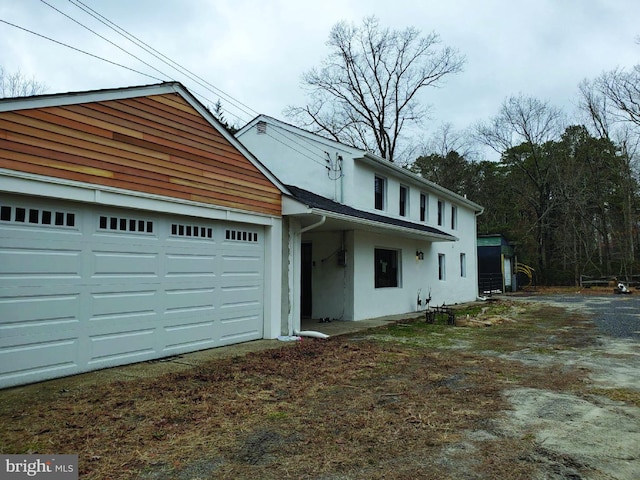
(105, 39)
(166, 60)
(79, 50)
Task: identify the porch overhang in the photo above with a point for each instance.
(309, 208)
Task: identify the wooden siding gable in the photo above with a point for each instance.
(157, 144)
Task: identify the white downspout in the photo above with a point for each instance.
(313, 225)
(310, 333)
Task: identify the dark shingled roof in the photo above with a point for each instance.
(322, 203)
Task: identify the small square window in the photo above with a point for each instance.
(71, 219)
(34, 215)
(59, 218)
(46, 217)
(5, 213)
(21, 215)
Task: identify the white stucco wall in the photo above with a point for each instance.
(297, 161)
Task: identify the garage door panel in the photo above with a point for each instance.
(22, 363)
(45, 316)
(190, 334)
(184, 265)
(114, 348)
(118, 264)
(239, 328)
(24, 265)
(107, 304)
(241, 265)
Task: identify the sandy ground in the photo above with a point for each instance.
(593, 431)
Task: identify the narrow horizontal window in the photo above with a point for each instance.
(36, 216)
(241, 236)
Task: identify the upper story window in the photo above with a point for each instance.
(423, 207)
(404, 200)
(454, 217)
(380, 187)
(440, 212)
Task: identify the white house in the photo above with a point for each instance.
(362, 237)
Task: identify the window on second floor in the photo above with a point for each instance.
(440, 212)
(404, 201)
(380, 187)
(454, 217)
(423, 207)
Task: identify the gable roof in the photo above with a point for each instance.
(323, 206)
(103, 95)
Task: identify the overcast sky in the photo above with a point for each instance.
(256, 50)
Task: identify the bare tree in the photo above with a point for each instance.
(446, 140)
(366, 92)
(596, 108)
(17, 85)
(622, 88)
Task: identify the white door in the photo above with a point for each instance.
(507, 273)
(87, 287)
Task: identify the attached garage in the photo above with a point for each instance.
(124, 276)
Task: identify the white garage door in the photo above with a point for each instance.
(86, 287)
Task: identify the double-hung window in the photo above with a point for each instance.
(403, 207)
(380, 186)
(423, 207)
(440, 212)
(442, 270)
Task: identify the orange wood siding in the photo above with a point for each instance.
(157, 144)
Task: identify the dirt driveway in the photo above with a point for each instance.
(542, 393)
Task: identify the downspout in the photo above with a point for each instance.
(311, 333)
(313, 225)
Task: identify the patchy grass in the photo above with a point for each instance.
(397, 403)
(631, 397)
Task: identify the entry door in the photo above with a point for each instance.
(305, 288)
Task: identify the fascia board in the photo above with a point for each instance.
(72, 98)
(383, 226)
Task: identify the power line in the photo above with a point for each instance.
(105, 39)
(166, 60)
(79, 50)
